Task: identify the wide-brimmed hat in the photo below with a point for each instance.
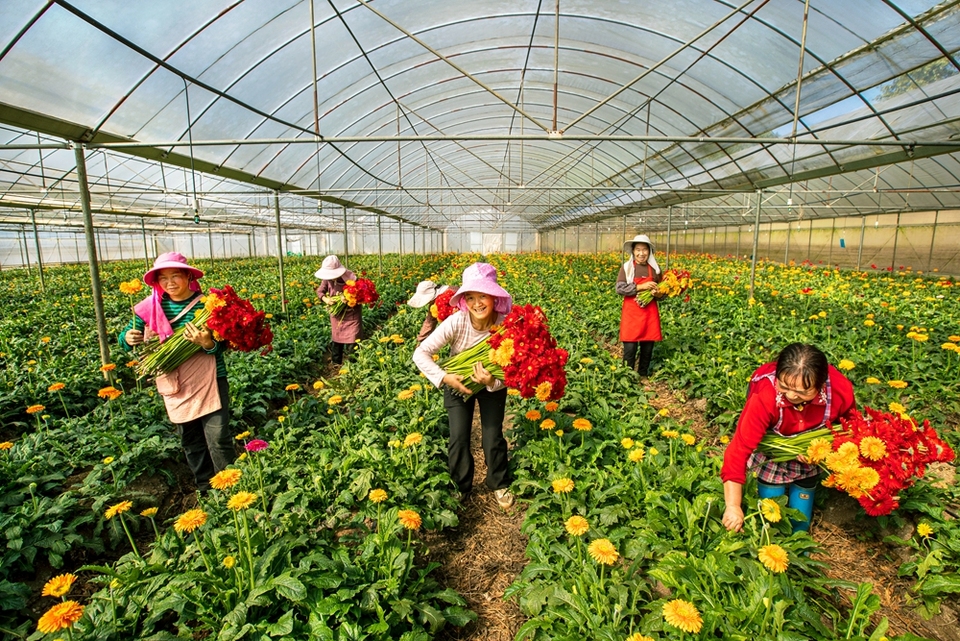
(639, 238)
(170, 260)
(426, 292)
(482, 278)
(330, 269)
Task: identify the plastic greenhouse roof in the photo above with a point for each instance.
(435, 112)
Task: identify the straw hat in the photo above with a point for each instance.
(639, 238)
(170, 260)
(330, 269)
(426, 292)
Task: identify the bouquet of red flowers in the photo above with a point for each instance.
(521, 352)
(869, 457)
(356, 292)
(673, 283)
(441, 309)
(228, 316)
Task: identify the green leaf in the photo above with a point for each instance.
(283, 626)
(458, 616)
(290, 587)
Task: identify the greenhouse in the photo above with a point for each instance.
(701, 259)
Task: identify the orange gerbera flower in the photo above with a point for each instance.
(548, 424)
(603, 552)
(576, 525)
(582, 424)
(241, 500)
(533, 415)
(552, 406)
(56, 387)
(60, 617)
(119, 508)
(409, 519)
(35, 409)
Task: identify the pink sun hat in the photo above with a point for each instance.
(330, 269)
(170, 260)
(482, 278)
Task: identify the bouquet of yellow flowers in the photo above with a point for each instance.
(673, 283)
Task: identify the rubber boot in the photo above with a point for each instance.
(767, 491)
(801, 498)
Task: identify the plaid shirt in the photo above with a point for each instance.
(457, 332)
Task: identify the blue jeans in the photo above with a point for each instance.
(207, 442)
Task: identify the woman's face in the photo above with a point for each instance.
(641, 252)
(793, 390)
(175, 282)
(480, 306)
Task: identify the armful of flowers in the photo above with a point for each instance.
(441, 309)
(870, 457)
(356, 292)
(521, 353)
(673, 283)
(228, 316)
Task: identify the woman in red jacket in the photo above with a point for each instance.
(799, 391)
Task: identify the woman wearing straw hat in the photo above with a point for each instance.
(427, 292)
(639, 323)
(482, 303)
(345, 327)
(196, 394)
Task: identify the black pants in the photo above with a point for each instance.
(207, 442)
(339, 351)
(630, 356)
(493, 406)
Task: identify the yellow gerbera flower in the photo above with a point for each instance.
(818, 449)
(241, 500)
(602, 551)
(636, 454)
(242, 435)
(897, 408)
(627, 443)
(548, 424)
(670, 434)
(293, 387)
(582, 424)
(318, 385)
(682, 614)
(58, 585)
(563, 486)
(229, 562)
(689, 439)
(770, 510)
(774, 558)
(336, 399)
(150, 512)
(409, 519)
(872, 380)
(405, 395)
(190, 520)
(225, 479)
(543, 391)
(846, 364)
(414, 438)
(897, 384)
(636, 636)
(576, 525)
(924, 530)
(377, 495)
(119, 508)
(873, 448)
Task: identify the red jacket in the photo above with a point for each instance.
(765, 408)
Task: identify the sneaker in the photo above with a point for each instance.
(504, 497)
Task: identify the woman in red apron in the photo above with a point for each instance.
(196, 394)
(639, 324)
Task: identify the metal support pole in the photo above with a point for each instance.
(833, 231)
(146, 252)
(346, 238)
(863, 226)
(210, 241)
(756, 240)
(283, 280)
(896, 236)
(379, 245)
(739, 228)
(786, 251)
(669, 226)
(624, 239)
(933, 236)
(400, 225)
(36, 240)
(24, 253)
(92, 256)
(596, 239)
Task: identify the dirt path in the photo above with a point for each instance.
(481, 557)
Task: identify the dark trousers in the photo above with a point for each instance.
(207, 442)
(340, 350)
(493, 406)
(630, 356)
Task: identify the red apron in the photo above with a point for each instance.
(640, 323)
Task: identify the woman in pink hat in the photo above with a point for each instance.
(427, 292)
(196, 394)
(345, 327)
(482, 303)
(639, 324)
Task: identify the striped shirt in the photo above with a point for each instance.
(457, 332)
(172, 308)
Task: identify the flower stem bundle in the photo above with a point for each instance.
(673, 283)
